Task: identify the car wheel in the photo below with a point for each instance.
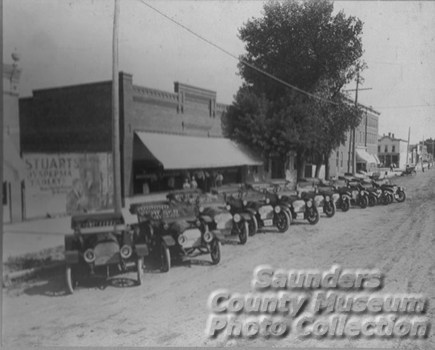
(372, 201)
(385, 199)
(363, 202)
(329, 209)
(71, 279)
(400, 196)
(313, 216)
(215, 251)
(282, 221)
(139, 269)
(243, 232)
(345, 205)
(165, 258)
(253, 226)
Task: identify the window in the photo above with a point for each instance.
(337, 158)
(393, 148)
(386, 149)
(379, 149)
(341, 163)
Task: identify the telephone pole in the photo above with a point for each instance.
(116, 161)
(352, 141)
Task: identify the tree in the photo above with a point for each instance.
(304, 44)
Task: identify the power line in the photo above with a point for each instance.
(408, 106)
(237, 58)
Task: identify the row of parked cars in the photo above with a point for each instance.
(190, 223)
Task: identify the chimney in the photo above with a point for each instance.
(389, 134)
(393, 136)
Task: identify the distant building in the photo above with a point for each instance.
(392, 150)
(366, 146)
(418, 153)
(13, 166)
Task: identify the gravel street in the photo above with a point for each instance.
(170, 309)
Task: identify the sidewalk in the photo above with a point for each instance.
(33, 236)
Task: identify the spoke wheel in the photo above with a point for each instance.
(400, 196)
(243, 232)
(372, 201)
(329, 209)
(215, 251)
(313, 216)
(282, 221)
(165, 258)
(363, 202)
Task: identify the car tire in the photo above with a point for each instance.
(243, 232)
(71, 280)
(372, 201)
(282, 221)
(400, 196)
(313, 217)
(329, 209)
(165, 258)
(139, 270)
(215, 251)
(253, 226)
(345, 205)
(363, 202)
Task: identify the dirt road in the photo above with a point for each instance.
(171, 309)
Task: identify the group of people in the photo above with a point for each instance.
(203, 180)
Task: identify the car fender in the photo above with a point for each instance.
(206, 218)
(71, 252)
(246, 216)
(168, 240)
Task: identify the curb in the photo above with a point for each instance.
(10, 277)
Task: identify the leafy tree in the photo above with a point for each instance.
(306, 45)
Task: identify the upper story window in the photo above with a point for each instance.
(379, 149)
(393, 148)
(386, 149)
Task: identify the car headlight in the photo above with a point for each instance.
(327, 198)
(309, 204)
(181, 239)
(228, 207)
(245, 203)
(237, 218)
(165, 226)
(277, 209)
(89, 256)
(279, 196)
(126, 251)
(201, 209)
(267, 200)
(208, 237)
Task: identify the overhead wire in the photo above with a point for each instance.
(238, 58)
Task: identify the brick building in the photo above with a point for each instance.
(165, 137)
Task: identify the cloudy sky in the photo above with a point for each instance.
(69, 42)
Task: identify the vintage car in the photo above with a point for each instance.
(103, 244)
(223, 219)
(324, 198)
(255, 197)
(174, 230)
(296, 205)
(232, 195)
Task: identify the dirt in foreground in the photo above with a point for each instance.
(170, 309)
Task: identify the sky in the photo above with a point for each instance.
(63, 42)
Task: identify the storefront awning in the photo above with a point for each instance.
(190, 152)
(362, 156)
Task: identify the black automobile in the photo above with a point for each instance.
(174, 229)
(103, 244)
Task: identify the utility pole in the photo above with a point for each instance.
(352, 141)
(116, 161)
